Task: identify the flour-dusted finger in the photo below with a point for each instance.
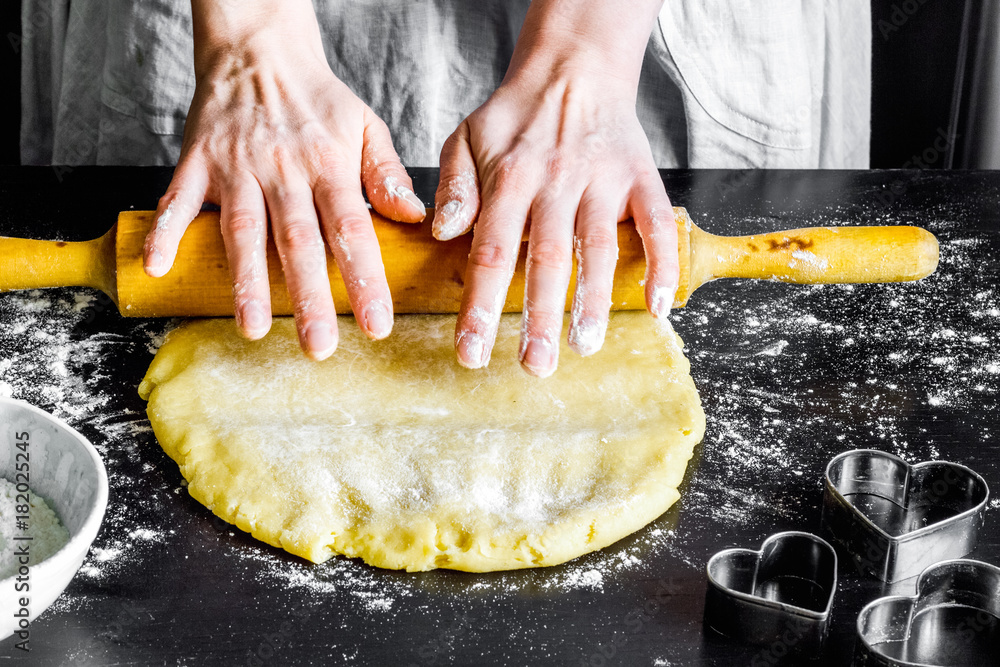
(547, 272)
(351, 236)
(654, 220)
(303, 258)
(386, 182)
(596, 248)
(492, 260)
(174, 212)
(456, 201)
(244, 230)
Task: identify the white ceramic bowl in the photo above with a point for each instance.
(67, 471)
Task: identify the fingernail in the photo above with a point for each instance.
(154, 265)
(672, 285)
(378, 319)
(472, 350)
(253, 319)
(662, 300)
(446, 225)
(411, 198)
(586, 336)
(320, 340)
(538, 357)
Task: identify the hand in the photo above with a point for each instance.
(272, 131)
(557, 144)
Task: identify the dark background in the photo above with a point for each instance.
(921, 56)
(10, 80)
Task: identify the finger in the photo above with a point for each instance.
(596, 247)
(244, 230)
(303, 258)
(348, 228)
(547, 272)
(654, 220)
(491, 264)
(456, 201)
(389, 187)
(174, 212)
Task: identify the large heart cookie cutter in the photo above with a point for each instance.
(954, 619)
(893, 520)
(782, 593)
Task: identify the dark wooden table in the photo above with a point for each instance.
(789, 377)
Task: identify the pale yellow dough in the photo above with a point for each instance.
(391, 452)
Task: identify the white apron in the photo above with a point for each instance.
(725, 83)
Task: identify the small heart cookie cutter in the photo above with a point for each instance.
(954, 619)
(893, 519)
(782, 593)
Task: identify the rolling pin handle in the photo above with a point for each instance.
(27, 264)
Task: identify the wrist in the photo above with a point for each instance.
(574, 39)
(241, 32)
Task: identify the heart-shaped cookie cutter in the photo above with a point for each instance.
(781, 593)
(954, 619)
(893, 519)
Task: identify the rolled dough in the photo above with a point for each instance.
(391, 452)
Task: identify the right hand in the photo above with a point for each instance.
(271, 130)
(557, 144)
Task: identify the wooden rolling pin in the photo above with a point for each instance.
(426, 276)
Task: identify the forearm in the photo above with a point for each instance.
(602, 36)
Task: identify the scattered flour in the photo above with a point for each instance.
(794, 370)
(56, 356)
(586, 579)
(800, 373)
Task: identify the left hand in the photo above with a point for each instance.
(557, 144)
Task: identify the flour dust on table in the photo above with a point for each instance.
(750, 358)
(54, 355)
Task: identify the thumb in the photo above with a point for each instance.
(386, 182)
(456, 202)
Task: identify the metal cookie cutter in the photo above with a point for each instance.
(954, 619)
(780, 594)
(893, 519)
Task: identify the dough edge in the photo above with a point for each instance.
(426, 544)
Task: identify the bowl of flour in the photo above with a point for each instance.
(53, 493)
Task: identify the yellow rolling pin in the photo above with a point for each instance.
(426, 276)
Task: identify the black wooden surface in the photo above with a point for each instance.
(789, 376)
